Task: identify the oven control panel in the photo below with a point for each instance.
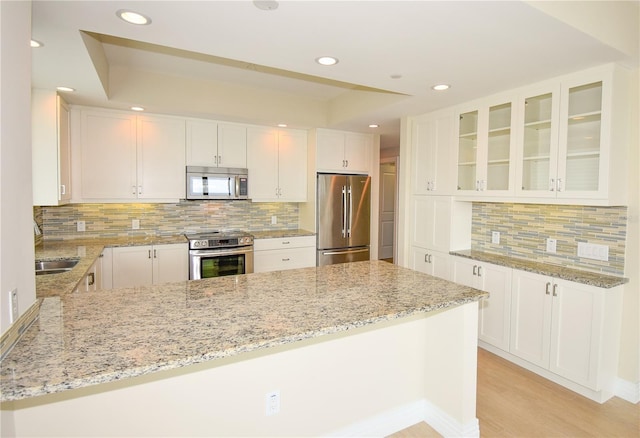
(220, 242)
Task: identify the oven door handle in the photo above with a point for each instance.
(220, 252)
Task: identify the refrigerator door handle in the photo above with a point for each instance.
(350, 215)
(344, 211)
(351, 251)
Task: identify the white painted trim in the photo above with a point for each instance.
(626, 390)
(395, 420)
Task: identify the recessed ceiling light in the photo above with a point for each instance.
(137, 108)
(374, 125)
(327, 60)
(133, 17)
(440, 87)
(266, 5)
(65, 89)
(35, 44)
(395, 76)
(282, 125)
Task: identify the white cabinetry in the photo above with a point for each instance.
(494, 316)
(432, 138)
(284, 253)
(92, 280)
(216, 144)
(130, 157)
(51, 148)
(430, 262)
(277, 164)
(486, 148)
(568, 328)
(150, 264)
(340, 152)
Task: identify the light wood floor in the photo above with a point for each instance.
(514, 402)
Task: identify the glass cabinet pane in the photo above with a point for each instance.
(583, 138)
(467, 150)
(536, 154)
(499, 145)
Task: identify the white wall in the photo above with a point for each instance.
(16, 213)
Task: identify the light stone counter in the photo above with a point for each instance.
(86, 339)
(279, 234)
(562, 272)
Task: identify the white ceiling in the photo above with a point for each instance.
(230, 60)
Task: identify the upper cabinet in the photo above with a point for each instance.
(51, 149)
(343, 152)
(486, 149)
(561, 141)
(216, 144)
(126, 156)
(277, 163)
(432, 138)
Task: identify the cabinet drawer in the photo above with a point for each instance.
(284, 243)
(280, 259)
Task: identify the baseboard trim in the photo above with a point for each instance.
(400, 418)
(628, 391)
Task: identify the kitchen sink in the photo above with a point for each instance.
(55, 266)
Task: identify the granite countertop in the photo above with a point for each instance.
(278, 234)
(86, 251)
(556, 271)
(91, 338)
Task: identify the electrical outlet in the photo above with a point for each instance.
(272, 403)
(13, 299)
(274, 220)
(495, 237)
(551, 246)
(135, 224)
(80, 226)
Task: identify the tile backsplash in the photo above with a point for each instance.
(115, 220)
(524, 229)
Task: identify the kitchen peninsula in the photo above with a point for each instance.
(366, 347)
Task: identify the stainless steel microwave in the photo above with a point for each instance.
(217, 183)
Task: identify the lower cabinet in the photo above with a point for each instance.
(150, 264)
(493, 319)
(430, 262)
(284, 253)
(92, 280)
(566, 327)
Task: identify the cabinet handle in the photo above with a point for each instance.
(139, 190)
(430, 258)
(547, 288)
(426, 258)
(559, 184)
(433, 185)
(286, 260)
(286, 242)
(91, 279)
(133, 190)
(555, 286)
(475, 269)
(63, 189)
(149, 253)
(479, 271)
(219, 159)
(552, 184)
(155, 253)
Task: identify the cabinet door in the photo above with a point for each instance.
(575, 332)
(432, 222)
(464, 271)
(495, 311)
(330, 151)
(232, 145)
(292, 166)
(531, 317)
(202, 143)
(281, 259)
(500, 154)
(357, 152)
(262, 162)
(467, 161)
(170, 263)
(161, 158)
(132, 266)
(108, 155)
(64, 152)
(538, 142)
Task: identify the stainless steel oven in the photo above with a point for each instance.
(220, 253)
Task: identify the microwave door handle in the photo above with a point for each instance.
(230, 187)
(237, 192)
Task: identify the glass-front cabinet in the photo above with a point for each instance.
(486, 150)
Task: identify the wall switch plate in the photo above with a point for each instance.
(272, 403)
(135, 224)
(495, 237)
(551, 246)
(274, 220)
(81, 226)
(593, 251)
(13, 299)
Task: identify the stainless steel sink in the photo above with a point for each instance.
(48, 267)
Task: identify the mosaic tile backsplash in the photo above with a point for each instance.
(115, 220)
(524, 229)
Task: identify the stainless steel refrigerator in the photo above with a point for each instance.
(343, 218)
